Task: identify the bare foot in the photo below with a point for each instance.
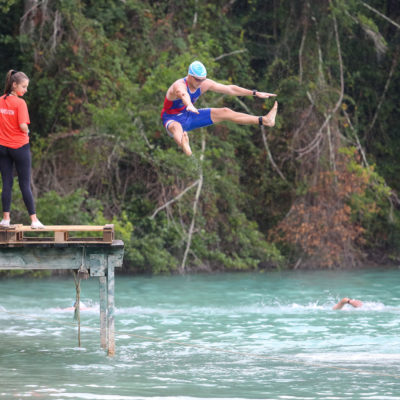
(269, 119)
(185, 144)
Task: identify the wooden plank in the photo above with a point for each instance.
(60, 257)
(44, 241)
(37, 258)
(61, 228)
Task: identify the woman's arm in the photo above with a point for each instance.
(24, 127)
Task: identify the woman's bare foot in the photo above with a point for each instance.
(269, 119)
(185, 144)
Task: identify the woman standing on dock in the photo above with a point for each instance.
(15, 147)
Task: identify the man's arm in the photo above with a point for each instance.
(353, 302)
(233, 90)
(180, 91)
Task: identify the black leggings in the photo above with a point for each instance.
(21, 157)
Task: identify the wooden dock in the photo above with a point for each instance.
(55, 248)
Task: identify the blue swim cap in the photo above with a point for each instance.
(197, 69)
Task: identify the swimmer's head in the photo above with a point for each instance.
(197, 70)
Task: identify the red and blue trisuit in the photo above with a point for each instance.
(176, 111)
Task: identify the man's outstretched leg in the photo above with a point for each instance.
(226, 114)
(269, 119)
(181, 137)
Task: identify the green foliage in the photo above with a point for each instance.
(5, 5)
(153, 246)
(248, 249)
(74, 209)
(123, 229)
(374, 208)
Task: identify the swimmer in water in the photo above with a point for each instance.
(353, 302)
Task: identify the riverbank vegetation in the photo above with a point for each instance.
(318, 190)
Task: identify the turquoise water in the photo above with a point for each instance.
(225, 336)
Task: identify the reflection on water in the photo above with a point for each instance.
(232, 336)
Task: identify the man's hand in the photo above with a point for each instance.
(264, 95)
(192, 109)
(355, 303)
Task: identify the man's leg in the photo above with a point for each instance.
(226, 114)
(180, 136)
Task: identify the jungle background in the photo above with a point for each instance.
(319, 190)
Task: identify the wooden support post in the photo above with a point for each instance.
(108, 233)
(110, 307)
(103, 311)
(60, 237)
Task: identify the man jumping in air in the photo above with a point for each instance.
(179, 115)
